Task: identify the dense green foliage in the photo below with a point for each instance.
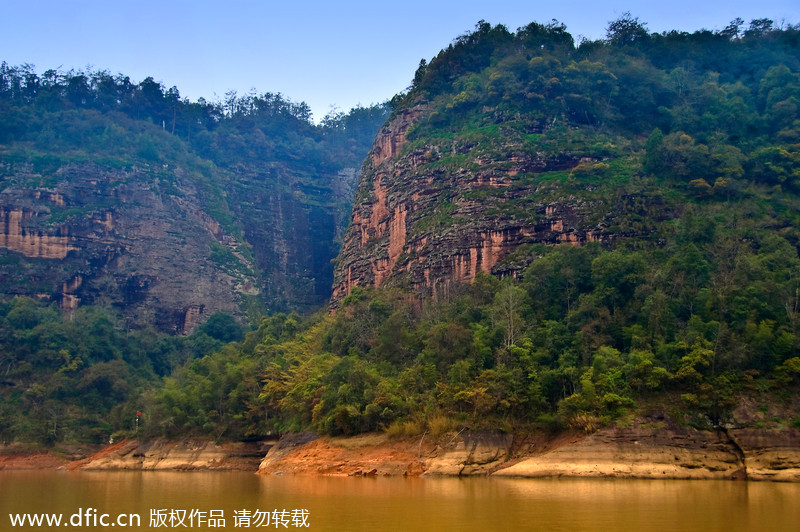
(257, 162)
(78, 379)
(585, 336)
(692, 306)
(93, 112)
(703, 110)
(693, 309)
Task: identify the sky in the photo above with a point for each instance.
(331, 54)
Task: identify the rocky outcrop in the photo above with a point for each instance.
(470, 454)
(166, 455)
(769, 454)
(164, 247)
(138, 239)
(365, 455)
(638, 452)
(35, 244)
(646, 449)
(430, 213)
(643, 450)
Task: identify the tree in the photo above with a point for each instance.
(510, 303)
(626, 30)
(732, 30)
(223, 327)
(759, 27)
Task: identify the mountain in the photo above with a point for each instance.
(125, 196)
(511, 140)
(557, 236)
(546, 237)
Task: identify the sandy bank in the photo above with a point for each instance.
(32, 460)
(156, 455)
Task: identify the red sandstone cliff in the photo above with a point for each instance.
(430, 214)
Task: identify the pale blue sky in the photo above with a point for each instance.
(325, 53)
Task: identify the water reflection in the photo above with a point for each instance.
(478, 504)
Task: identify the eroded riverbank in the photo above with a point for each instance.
(645, 449)
(633, 452)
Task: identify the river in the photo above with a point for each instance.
(240, 501)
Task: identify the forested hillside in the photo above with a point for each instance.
(124, 195)
(129, 215)
(512, 140)
(547, 235)
(645, 188)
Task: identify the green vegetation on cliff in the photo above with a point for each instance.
(689, 303)
(268, 184)
(683, 151)
(693, 117)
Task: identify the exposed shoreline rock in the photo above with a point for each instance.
(155, 455)
(364, 455)
(639, 451)
(768, 454)
(642, 450)
(31, 460)
(166, 455)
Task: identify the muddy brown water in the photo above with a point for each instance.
(244, 501)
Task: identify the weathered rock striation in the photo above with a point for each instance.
(648, 448)
(644, 450)
(166, 455)
(137, 239)
(165, 248)
(431, 213)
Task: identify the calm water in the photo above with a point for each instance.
(479, 504)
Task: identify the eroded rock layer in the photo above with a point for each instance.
(433, 212)
(165, 245)
(647, 449)
(128, 238)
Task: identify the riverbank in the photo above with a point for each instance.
(647, 448)
(187, 454)
(174, 455)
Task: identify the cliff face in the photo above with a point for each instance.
(143, 241)
(165, 245)
(136, 239)
(294, 229)
(434, 211)
(168, 210)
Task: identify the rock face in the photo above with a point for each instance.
(129, 238)
(769, 455)
(294, 228)
(163, 247)
(365, 455)
(429, 213)
(470, 454)
(164, 455)
(643, 450)
(638, 453)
